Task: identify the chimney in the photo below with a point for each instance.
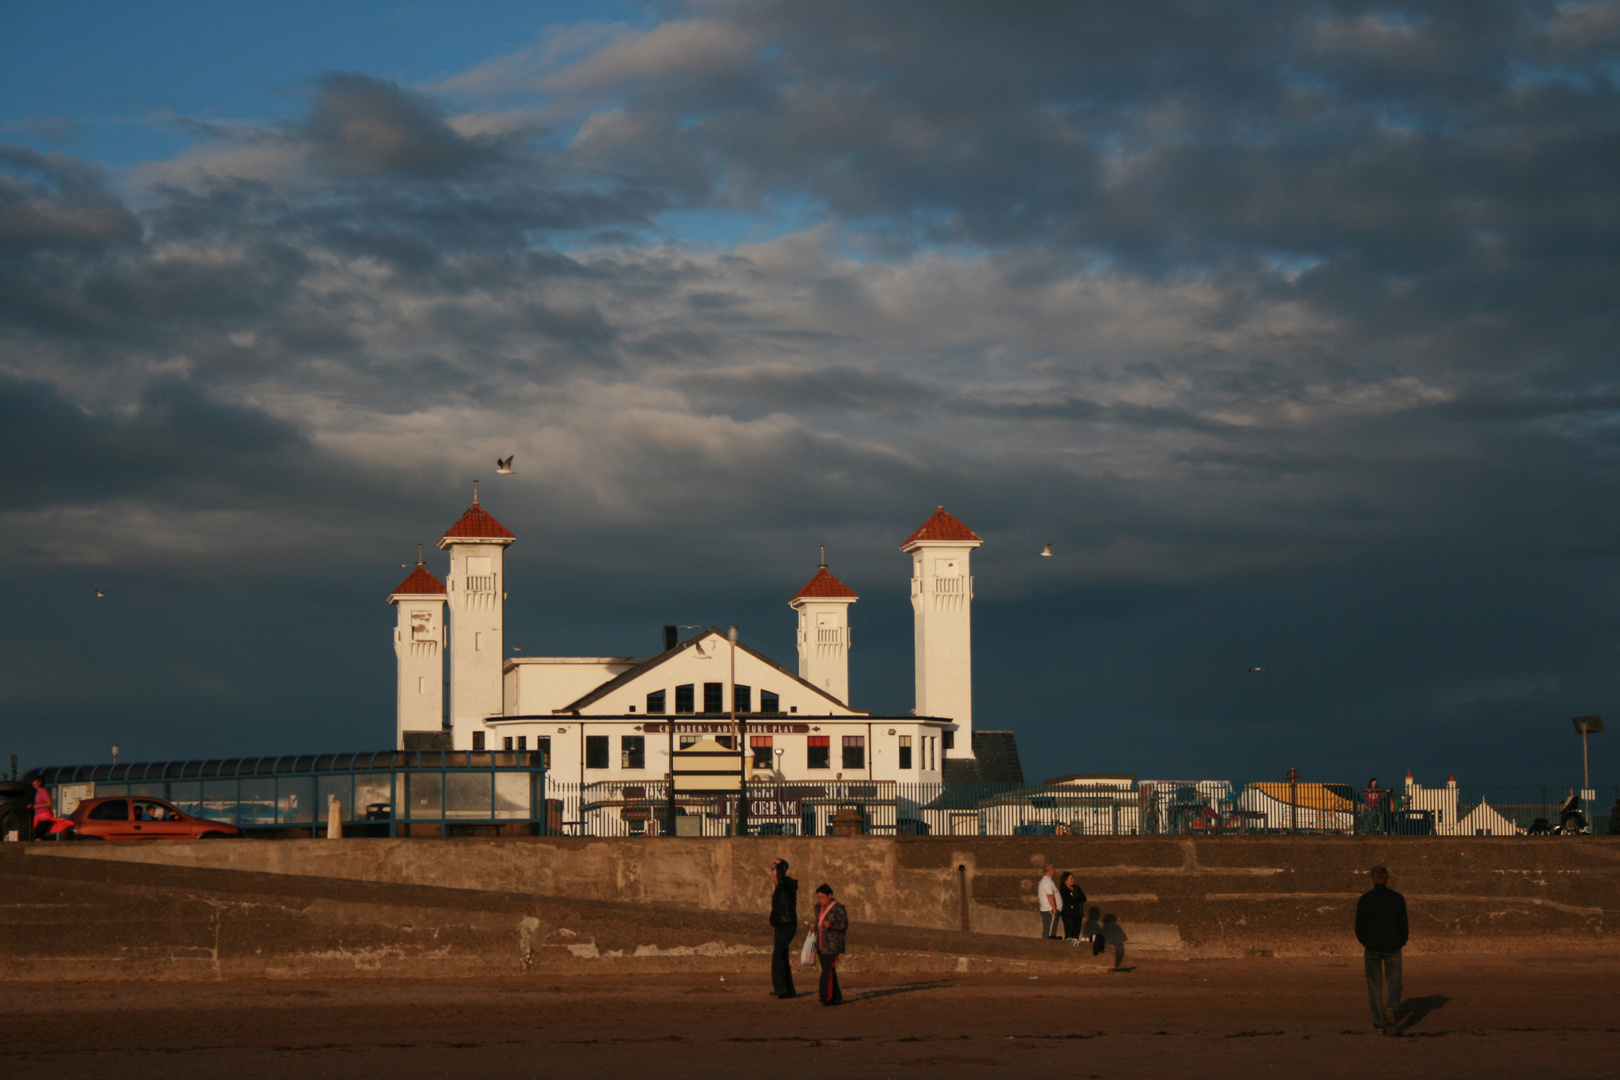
(671, 637)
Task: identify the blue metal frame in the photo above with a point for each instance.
(392, 788)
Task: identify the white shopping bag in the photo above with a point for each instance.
(807, 954)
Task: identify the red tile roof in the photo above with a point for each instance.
(420, 583)
(942, 527)
(477, 522)
(824, 584)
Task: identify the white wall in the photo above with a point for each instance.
(419, 636)
(539, 684)
(476, 585)
(942, 607)
(824, 643)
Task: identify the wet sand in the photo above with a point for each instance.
(1530, 1016)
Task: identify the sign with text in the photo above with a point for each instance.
(760, 809)
(724, 727)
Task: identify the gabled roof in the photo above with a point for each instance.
(651, 662)
(942, 527)
(825, 585)
(419, 582)
(477, 524)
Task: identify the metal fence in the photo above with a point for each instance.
(391, 793)
(450, 793)
(1148, 808)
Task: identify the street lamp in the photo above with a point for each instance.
(1587, 725)
(738, 734)
(115, 753)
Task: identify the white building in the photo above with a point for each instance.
(615, 720)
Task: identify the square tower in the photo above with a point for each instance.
(942, 610)
(419, 652)
(824, 638)
(476, 592)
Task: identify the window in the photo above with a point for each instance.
(506, 743)
(714, 694)
(762, 750)
(950, 740)
(688, 741)
(683, 698)
(854, 751)
(596, 751)
(820, 753)
(632, 708)
(769, 702)
(523, 742)
(112, 810)
(905, 751)
(655, 702)
(478, 740)
(726, 741)
(743, 698)
(632, 752)
(542, 746)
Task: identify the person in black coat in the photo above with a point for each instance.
(1074, 911)
(1381, 928)
(784, 921)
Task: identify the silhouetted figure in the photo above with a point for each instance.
(784, 921)
(1381, 928)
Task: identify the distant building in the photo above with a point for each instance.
(611, 719)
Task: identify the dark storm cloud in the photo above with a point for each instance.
(372, 128)
(59, 454)
(1267, 315)
(54, 202)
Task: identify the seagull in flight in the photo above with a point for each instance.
(1046, 551)
(1257, 668)
(101, 592)
(504, 465)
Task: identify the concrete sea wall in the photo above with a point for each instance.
(514, 904)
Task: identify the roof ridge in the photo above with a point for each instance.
(942, 526)
(824, 584)
(478, 523)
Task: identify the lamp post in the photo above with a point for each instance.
(669, 729)
(741, 737)
(1587, 725)
(115, 753)
(1293, 800)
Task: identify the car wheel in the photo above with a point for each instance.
(90, 836)
(212, 836)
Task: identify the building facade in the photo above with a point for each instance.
(626, 720)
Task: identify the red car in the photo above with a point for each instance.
(124, 817)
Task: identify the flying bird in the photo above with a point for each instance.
(503, 465)
(1047, 551)
(101, 592)
(1257, 668)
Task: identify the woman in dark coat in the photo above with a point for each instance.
(831, 923)
(1074, 898)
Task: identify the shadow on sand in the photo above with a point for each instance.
(905, 988)
(1414, 1011)
(1113, 935)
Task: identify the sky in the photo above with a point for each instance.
(1290, 326)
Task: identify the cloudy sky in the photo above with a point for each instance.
(1291, 326)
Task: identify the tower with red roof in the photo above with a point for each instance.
(476, 592)
(419, 651)
(942, 607)
(824, 641)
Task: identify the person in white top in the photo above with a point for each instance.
(1046, 891)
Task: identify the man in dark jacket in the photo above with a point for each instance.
(1381, 929)
(784, 921)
